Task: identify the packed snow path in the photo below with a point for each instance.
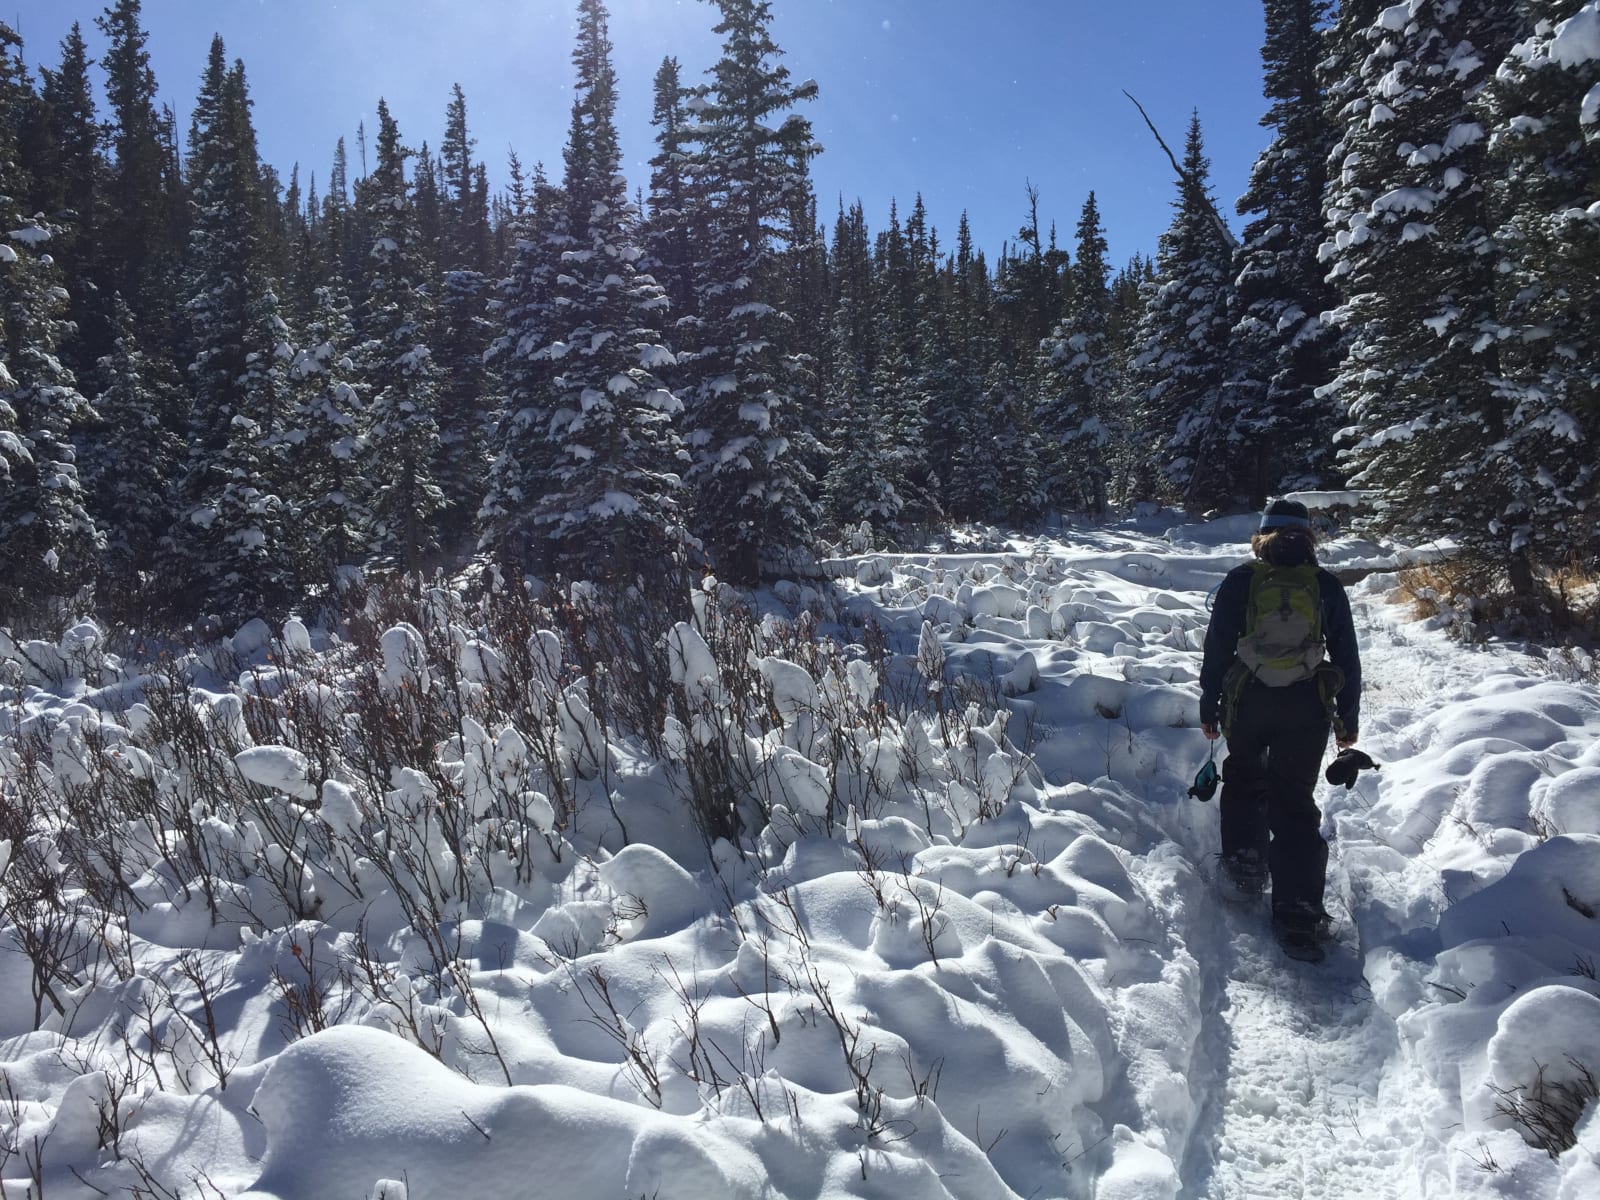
(1306, 1089)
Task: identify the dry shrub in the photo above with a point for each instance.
(1548, 1112)
(1474, 599)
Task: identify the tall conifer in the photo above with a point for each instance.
(750, 486)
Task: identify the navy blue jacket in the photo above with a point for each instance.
(1228, 615)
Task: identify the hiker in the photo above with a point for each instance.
(1281, 668)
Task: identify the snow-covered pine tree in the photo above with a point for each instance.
(231, 535)
(1031, 284)
(750, 486)
(1076, 379)
(858, 487)
(142, 232)
(1175, 380)
(668, 236)
(224, 260)
(1279, 435)
(1412, 252)
(1544, 144)
(610, 506)
(47, 540)
(1007, 459)
(427, 211)
(524, 458)
(923, 291)
(132, 454)
(464, 331)
(344, 258)
(956, 351)
(396, 364)
(902, 416)
(328, 445)
(68, 187)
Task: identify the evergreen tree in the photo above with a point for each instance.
(427, 206)
(858, 486)
(669, 238)
(750, 484)
(466, 212)
(47, 539)
(610, 505)
(956, 352)
(464, 331)
(1278, 434)
(225, 251)
(396, 363)
(132, 454)
(1544, 149)
(1175, 380)
(1074, 417)
(524, 458)
(344, 257)
(142, 218)
(328, 444)
(1030, 290)
(1413, 255)
(69, 179)
(233, 538)
(1007, 463)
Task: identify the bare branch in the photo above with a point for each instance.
(1183, 177)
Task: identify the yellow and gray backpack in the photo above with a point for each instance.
(1282, 642)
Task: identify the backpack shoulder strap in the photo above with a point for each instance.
(1259, 570)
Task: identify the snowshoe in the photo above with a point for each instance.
(1243, 878)
(1301, 935)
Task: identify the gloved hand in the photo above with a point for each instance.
(1347, 765)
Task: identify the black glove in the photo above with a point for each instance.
(1349, 763)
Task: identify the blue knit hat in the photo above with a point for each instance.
(1286, 514)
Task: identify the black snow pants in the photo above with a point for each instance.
(1275, 747)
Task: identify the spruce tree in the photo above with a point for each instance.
(69, 185)
(956, 351)
(396, 363)
(1413, 255)
(47, 539)
(1074, 412)
(143, 220)
(133, 452)
(668, 235)
(1544, 150)
(750, 486)
(858, 487)
(1175, 380)
(1278, 434)
(464, 330)
(232, 539)
(329, 445)
(610, 504)
(225, 253)
(524, 457)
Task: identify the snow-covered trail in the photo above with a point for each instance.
(1300, 1080)
(1306, 1086)
(1291, 1070)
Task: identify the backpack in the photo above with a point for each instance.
(1282, 642)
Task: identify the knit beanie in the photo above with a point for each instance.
(1286, 514)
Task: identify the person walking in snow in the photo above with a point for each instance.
(1281, 669)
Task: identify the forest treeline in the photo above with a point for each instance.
(221, 391)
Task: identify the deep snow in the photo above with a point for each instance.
(997, 974)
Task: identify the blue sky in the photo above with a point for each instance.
(964, 100)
